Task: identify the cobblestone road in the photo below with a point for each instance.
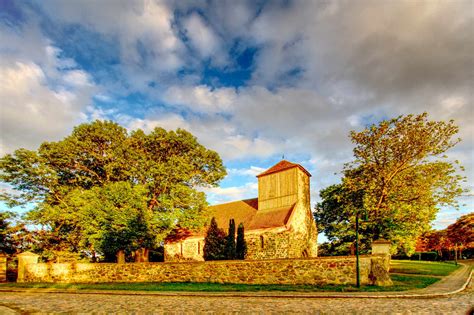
(30, 303)
(106, 304)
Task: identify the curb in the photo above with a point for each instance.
(246, 295)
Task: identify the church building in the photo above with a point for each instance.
(278, 224)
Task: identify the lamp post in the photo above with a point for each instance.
(357, 244)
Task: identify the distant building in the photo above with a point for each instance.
(278, 224)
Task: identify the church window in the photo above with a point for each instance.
(199, 247)
(262, 242)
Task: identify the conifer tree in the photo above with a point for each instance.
(241, 246)
(230, 242)
(214, 243)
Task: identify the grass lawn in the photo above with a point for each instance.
(422, 267)
(401, 283)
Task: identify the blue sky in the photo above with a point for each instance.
(253, 80)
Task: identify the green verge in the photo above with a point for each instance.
(401, 283)
(422, 267)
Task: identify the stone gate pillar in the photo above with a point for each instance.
(3, 267)
(23, 260)
(380, 263)
(381, 247)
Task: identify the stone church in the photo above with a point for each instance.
(278, 224)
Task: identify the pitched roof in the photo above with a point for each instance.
(281, 166)
(242, 211)
(271, 218)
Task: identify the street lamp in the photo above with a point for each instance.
(357, 242)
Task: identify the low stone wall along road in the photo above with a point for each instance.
(30, 303)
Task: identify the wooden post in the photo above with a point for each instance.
(25, 259)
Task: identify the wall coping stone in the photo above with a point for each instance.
(25, 254)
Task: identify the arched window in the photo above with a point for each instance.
(262, 242)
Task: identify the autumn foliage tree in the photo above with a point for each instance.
(461, 233)
(156, 173)
(401, 169)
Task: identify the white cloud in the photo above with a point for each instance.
(77, 78)
(31, 112)
(166, 121)
(148, 45)
(202, 37)
(201, 98)
(252, 171)
(218, 195)
(42, 95)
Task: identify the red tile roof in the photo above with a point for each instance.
(271, 218)
(281, 166)
(242, 211)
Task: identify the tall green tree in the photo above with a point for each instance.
(230, 242)
(214, 242)
(401, 169)
(167, 166)
(334, 216)
(7, 238)
(241, 245)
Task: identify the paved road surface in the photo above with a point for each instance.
(29, 303)
(106, 304)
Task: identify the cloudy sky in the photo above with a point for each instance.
(253, 80)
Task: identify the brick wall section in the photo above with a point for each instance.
(324, 270)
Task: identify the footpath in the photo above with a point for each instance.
(449, 285)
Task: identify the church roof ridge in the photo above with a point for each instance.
(281, 166)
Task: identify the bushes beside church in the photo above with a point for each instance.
(221, 246)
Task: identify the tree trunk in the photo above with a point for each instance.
(121, 257)
(142, 254)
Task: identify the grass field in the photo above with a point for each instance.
(422, 267)
(401, 283)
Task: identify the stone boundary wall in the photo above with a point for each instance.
(3, 267)
(310, 271)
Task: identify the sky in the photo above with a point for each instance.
(253, 80)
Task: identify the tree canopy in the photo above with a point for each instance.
(400, 175)
(103, 183)
(461, 232)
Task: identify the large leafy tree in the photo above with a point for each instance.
(334, 216)
(158, 172)
(402, 172)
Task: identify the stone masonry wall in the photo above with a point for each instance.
(311, 271)
(3, 267)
